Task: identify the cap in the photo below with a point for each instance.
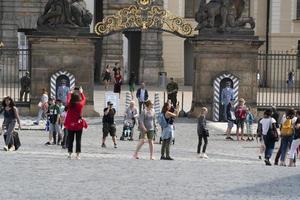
(109, 103)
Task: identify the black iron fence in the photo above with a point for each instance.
(278, 79)
(14, 65)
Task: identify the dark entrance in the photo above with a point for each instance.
(222, 107)
(134, 51)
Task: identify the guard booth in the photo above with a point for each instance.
(219, 84)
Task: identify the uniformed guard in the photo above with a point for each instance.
(226, 96)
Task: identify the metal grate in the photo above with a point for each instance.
(13, 65)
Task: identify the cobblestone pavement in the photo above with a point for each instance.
(233, 171)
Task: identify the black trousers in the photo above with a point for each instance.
(71, 135)
(141, 106)
(200, 137)
(165, 147)
(173, 98)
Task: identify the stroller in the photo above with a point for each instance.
(128, 130)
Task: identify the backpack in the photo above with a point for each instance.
(287, 128)
(241, 113)
(162, 120)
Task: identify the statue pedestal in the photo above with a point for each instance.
(218, 60)
(52, 55)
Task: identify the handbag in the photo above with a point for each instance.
(205, 133)
(272, 133)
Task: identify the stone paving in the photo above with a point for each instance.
(233, 171)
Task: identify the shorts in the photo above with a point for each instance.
(109, 129)
(54, 127)
(230, 124)
(150, 135)
(240, 123)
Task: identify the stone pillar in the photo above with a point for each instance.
(214, 56)
(151, 61)
(50, 54)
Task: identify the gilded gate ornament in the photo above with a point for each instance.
(144, 16)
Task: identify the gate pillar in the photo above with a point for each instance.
(225, 56)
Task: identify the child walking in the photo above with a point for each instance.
(249, 124)
(202, 133)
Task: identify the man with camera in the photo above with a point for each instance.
(109, 126)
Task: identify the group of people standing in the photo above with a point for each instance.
(117, 78)
(287, 131)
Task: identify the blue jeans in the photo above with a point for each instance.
(269, 147)
(286, 142)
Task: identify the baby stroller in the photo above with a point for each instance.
(128, 130)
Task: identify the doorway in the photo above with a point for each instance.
(133, 53)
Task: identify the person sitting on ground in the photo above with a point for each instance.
(240, 115)
(249, 124)
(202, 133)
(109, 125)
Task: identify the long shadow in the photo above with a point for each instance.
(287, 188)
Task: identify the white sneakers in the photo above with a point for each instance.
(12, 148)
(203, 155)
(5, 148)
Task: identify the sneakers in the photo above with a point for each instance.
(12, 148)
(169, 158)
(78, 157)
(103, 145)
(115, 146)
(69, 156)
(282, 164)
(229, 138)
(260, 157)
(268, 163)
(163, 158)
(205, 156)
(5, 148)
(47, 143)
(201, 155)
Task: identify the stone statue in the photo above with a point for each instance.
(64, 14)
(222, 15)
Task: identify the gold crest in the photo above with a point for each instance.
(144, 2)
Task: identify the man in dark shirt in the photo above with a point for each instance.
(109, 126)
(25, 86)
(172, 89)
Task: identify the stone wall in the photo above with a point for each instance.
(18, 14)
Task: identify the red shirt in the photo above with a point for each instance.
(74, 114)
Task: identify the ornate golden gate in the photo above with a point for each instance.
(143, 16)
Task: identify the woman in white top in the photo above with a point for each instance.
(264, 125)
(43, 106)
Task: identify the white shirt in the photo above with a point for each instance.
(142, 95)
(266, 124)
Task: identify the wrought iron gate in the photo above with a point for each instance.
(14, 63)
(278, 79)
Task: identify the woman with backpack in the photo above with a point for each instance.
(267, 129)
(286, 130)
(240, 114)
(168, 130)
(11, 117)
(295, 143)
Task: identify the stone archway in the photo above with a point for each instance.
(218, 90)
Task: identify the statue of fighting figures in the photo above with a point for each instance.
(222, 15)
(65, 14)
